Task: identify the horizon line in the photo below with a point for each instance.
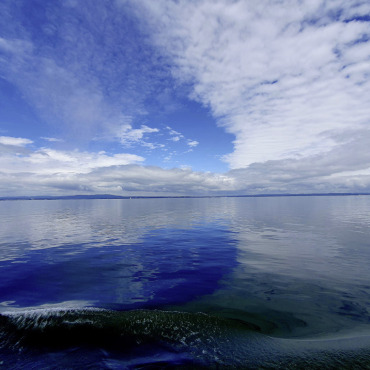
(111, 196)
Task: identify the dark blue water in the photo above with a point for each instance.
(185, 283)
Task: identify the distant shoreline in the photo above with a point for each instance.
(108, 196)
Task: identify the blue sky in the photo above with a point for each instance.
(184, 97)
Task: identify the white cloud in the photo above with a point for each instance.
(55, 91)
(46, 162)
(289, 79)
(14, 141)
(129, 135)
(156, 180)
(282, 77)
(110, 178)
(173, 132)
(15, 46)
(152, 145)
(91, 78)
(177, 136)
(192, 143)
(345, 168)
(52, 139)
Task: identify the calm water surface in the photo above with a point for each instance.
(280, 282)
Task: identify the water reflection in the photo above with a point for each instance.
(302, 257)
(299, 261)
(116, 253)
(48, 224)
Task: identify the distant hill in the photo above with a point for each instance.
(109, 196)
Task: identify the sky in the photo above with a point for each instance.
(184, 97)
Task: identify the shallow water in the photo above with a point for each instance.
(280, 282)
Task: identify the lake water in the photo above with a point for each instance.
(275, 282)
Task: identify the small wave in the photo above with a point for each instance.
(142, 338)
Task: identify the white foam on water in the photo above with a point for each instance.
(49, 308)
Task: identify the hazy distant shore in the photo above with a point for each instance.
(109, 196)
